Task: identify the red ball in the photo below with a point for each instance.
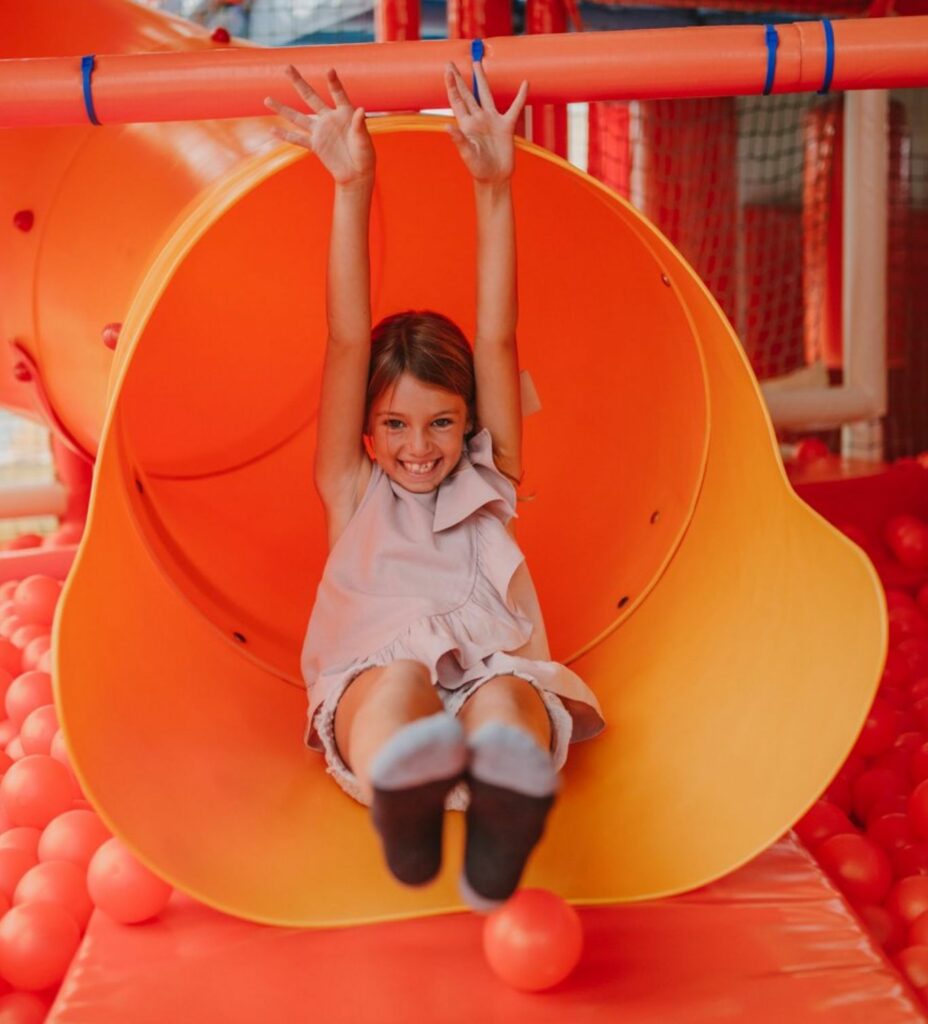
(11, 657)
(33, 652)
(907, 538)
(27, 692)
(21, 837)
(820, 822)
(899, 599)
(870, 786)
(918, 931)
(861, 870)
(66, 534)
(59, 882)
(38, 730)
(811, 449)
(904, 624)
(908, 898)
(22, 1008)
(24, 540)
(14, 863)
(36, 789)
(918, 764)
(910, 859)
(37, 942)
(893, 760)
(26, 633)
(913, 962)
(854, 764)
(890, 831)
(839, 793)
(122, 887)
(894, 803)
(888, 931)
(35, 599)
(917, 808)
(75, 836)
(533, 941)
(922, 598)
(896, 671)
(914, 652)
(8, 627)
(879, 731)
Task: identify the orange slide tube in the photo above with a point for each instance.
(734, 638)
(642, 64)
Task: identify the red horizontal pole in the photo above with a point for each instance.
(642, 64)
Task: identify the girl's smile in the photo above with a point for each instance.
(417, 433)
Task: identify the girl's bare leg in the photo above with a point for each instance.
(376, 705)
(407, 754)
(512, 701)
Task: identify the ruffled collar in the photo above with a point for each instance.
(476, 482)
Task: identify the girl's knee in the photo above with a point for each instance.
(508, 699)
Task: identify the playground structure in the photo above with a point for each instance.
(201, 437)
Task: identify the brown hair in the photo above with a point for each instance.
(427, 346)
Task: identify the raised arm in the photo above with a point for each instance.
(339, 138)
(484, 138)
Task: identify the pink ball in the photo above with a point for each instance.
(8, 732)
(45, 662)
(11, 657)
(67, 533)
(22, 1008)
(75, 836)
(37, 943)
(59, 750)
(36, 789)
(59, 882)
(35, 599)
(26, 633)
(23, 541)
(14, 863)
(38, 730)
(8, 589)
(27, 692)
(9, 625)
(122, 887)
(21, 837)
(533, 941)
(14, 749)
(33, 653)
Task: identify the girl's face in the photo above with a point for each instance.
(417, 433)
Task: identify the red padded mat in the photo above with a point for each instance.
(772, 942)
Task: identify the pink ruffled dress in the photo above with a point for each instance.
(436, 578)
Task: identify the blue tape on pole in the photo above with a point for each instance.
(476, 55)
(86, 72)
(773, 41)
(829, 57)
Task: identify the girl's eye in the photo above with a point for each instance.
(443, 421)
(394, 424)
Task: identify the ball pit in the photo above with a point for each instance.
(48, 834)
(869, 830)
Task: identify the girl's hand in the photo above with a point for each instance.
(482, 135)
(337, 135)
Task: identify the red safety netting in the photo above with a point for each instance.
(750, 190)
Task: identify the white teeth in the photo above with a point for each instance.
(420, 468)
